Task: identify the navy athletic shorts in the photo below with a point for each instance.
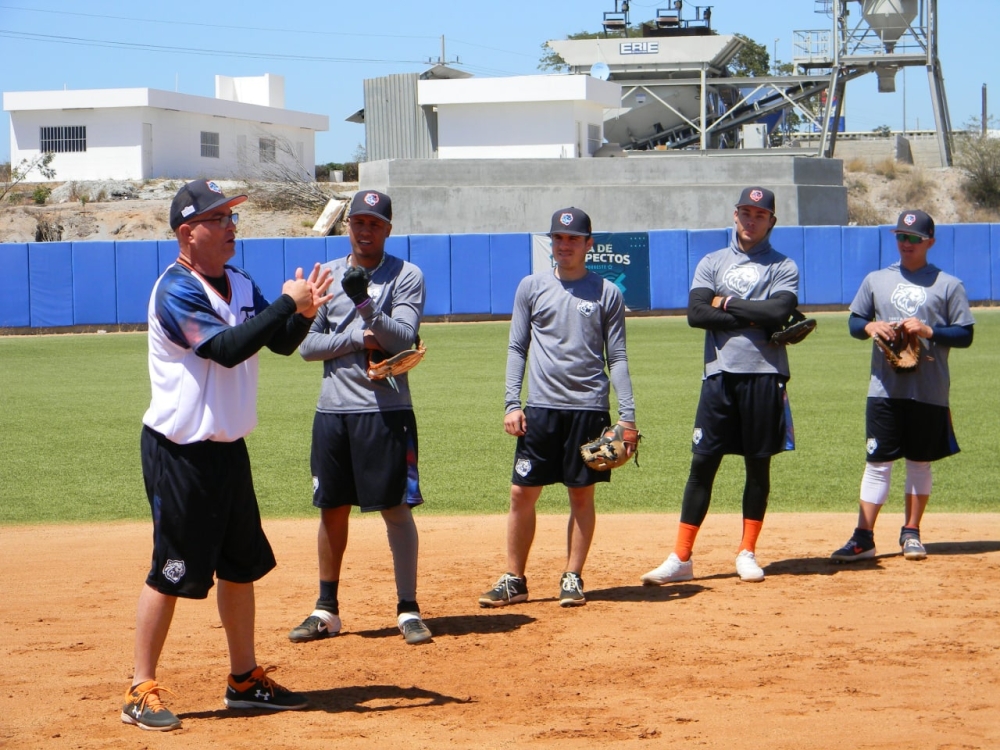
(549, 452)
(205, 516)
(903, 428)
(744, 415)
(367, 459)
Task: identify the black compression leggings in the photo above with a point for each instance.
(698, 491)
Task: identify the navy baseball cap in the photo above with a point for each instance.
(757, 196)
(372, 203)
(570, 221)
(196, 198)
(915, 222)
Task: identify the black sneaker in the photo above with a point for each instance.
(909, 542)
(858, 547)
(144, 708)
(509, 589)
(260, 691)
(317, 626)
(571, 591)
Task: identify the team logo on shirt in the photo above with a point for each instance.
(907, 298)
(697, 436)
(871, 446)
(741, 278)
(522, 466)
(586, 308)
(315, 485)
(174, 570)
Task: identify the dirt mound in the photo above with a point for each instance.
(877, 654)
(126, 211)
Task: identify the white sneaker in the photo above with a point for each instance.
(747, 567)
(671, 571)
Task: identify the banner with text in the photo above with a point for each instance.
(620, 257)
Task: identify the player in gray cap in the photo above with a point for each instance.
(907, 414)
(737, 294)
(573, 320)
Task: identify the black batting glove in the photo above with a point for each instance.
(355, 285)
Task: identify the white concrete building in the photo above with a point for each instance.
(521, 117)
(136, 134)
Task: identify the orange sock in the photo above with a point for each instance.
(751, 530)
(686, 534)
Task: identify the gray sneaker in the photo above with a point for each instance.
(317, 626)
(909, 541)
(509, 589)
(571, 591)
(144, 709)
(413, 628)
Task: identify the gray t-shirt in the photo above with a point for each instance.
(933, 297)
(569, 326)
(756, 275)
(336, 338)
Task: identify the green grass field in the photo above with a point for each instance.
(70, 411)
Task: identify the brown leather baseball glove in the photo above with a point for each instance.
(903, 351)
(608, 451)
(381, 367)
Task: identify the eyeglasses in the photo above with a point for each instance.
(222, 221)
(909, 239)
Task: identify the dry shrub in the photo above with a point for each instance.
(862, 213)
(887, 168)
(979, 158)
(856, 187)
(857, 164)
(914, 189)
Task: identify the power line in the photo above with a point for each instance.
(215, 26)
(143, 47)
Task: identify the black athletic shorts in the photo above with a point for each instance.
(903, 428)
(367, 459)
(743, 414)
(549, 452)
(205, 516)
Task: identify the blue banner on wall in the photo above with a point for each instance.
(620, 257)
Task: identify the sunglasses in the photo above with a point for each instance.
(222, 221)
(909, 239)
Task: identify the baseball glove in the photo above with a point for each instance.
(794, 329)
(608, 451)
(381, 366)
(903, 352)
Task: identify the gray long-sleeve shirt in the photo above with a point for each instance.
(573, 328)
(337, 338)
(756, 275)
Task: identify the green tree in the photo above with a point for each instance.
(752, 59)
(978, 156)
(14, 175)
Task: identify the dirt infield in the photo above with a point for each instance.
(883, 654)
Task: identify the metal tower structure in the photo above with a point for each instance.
(883, 37)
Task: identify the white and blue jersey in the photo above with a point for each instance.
(194, 398)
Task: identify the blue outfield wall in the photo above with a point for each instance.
(55, 284)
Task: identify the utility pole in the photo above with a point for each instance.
(983, 132)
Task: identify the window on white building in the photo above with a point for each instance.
(593, 138)
(61, 139)
(210, 144)
(267, 151)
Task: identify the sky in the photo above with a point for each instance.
(325, 49)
